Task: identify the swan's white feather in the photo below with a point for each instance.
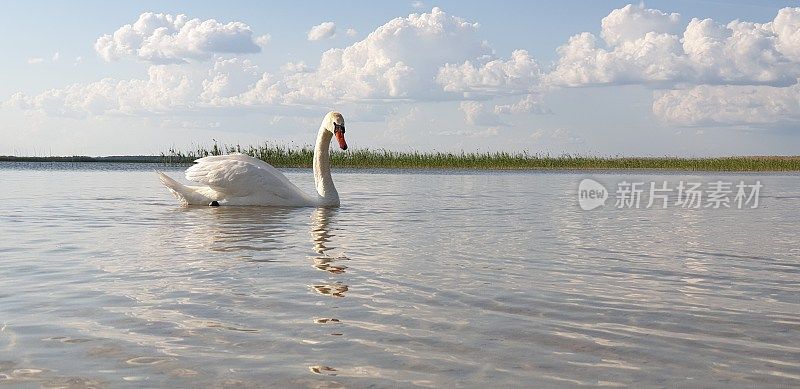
(186, 194)
(244, 180)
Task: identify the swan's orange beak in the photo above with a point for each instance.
(339, 132)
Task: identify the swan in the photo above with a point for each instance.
(238, 179)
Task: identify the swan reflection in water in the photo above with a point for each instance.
(250, 233)
(255, 233)
(258, 233)
(321, 237)
(326, 260)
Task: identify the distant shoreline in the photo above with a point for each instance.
(81, 158)
(487, 161)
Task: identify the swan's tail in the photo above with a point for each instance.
(187, 195)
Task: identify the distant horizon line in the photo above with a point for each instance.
(10, 158)
(367, 159)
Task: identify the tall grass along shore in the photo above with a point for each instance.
(287, 156)
(284, 156)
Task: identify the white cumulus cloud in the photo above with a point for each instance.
(729, 104)
(645, 46)
(528, 104)
(399, 60)
(476, 114)
(519, 74)
(230, 82)
(165, 38)
(322, 31)
(263, 40)
(163, 90)
(406, 59)
(630, 23)
(702, 71)
(227, 79)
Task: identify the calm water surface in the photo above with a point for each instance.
(418, 280)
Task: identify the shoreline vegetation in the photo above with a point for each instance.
(285, 156)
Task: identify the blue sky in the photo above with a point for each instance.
(587, 77)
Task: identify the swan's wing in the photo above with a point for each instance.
(242, 158)
(242, 176)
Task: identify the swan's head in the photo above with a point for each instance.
(334, 122)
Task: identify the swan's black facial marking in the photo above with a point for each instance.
(338, 128)
(214, 203)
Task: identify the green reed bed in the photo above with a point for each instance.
(287, 156)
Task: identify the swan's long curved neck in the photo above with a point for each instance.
(322, 169)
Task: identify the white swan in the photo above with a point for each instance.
(243, 180)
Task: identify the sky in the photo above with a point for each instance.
(656, 78)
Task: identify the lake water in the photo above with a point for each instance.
(420, 279)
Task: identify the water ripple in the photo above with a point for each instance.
(418, 280)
